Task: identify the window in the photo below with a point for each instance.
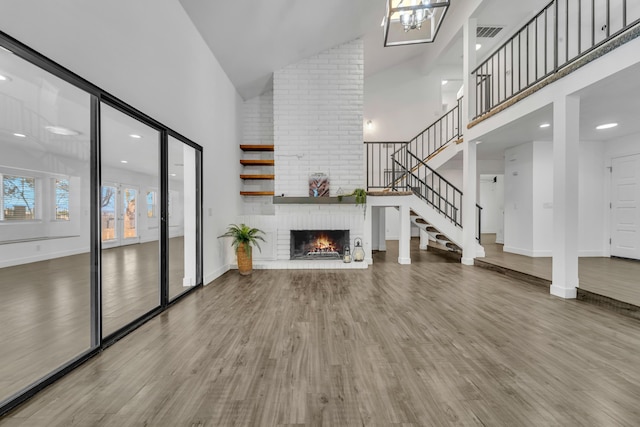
(62, 199)
(18, 198)
(151, 204)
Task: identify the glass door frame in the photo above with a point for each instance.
(97, 97)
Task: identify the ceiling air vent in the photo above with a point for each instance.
(488, 32)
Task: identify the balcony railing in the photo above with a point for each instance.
(560, 34)
(379, 164)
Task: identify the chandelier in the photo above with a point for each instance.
(413, 21)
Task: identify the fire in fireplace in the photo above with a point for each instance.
(318, 244)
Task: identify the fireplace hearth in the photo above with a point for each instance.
(318, 244)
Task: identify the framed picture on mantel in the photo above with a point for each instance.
(318, 185)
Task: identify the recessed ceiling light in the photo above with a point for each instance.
(4, 78)
(123, 161)
(172, 174)
(20, 135)
(444, 82)
(545, 125)
(59, 130)
(478, 46)
(135, 136)
(606, 126)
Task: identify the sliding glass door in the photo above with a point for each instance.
(130, 153)
(99, 220)
(183, 216)
(45, 272)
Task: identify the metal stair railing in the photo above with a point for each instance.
(427, 184)
(431, 187)
(444, 130)
(560, 34)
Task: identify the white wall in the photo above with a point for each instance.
(317, 109)
(401, 102)
(492, 202)
(518, 199)
(593, 202)
(149, 54)
(528, 199)
(542, 202)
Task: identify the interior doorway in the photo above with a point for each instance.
(119, 214)
(492, 202)
(625, 212)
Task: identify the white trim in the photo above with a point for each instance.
(208, 278)
(42, 257)
(566, 293)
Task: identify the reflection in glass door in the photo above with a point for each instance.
(108, 213)
(129, 217)
(119, 215)
(130, 152)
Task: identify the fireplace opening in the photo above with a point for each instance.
(318, 244)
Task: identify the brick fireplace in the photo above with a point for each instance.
(317, 112)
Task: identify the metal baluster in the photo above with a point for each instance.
(608, 24)
(593, 22)
(535, 23)
(546, 34)
(579, 27)
(555, 41)
(566, 31)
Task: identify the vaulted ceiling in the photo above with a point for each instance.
(253, 38)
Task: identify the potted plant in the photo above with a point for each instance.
(243, 237)
(360, 195)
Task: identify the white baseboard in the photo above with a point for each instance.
(42, 257)
(517, 251)
(216, 273)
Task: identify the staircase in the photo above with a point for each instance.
(437, 204)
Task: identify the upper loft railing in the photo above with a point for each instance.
(560, 34)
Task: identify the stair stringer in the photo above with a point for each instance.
(443, 155)
(436, 219)
(444, 226)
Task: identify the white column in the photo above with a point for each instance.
(404, 245)
(189, 191)
(375, 229)
(469, 225)
(368, 233)
(382, 232)
(469, 63)
(566, 134)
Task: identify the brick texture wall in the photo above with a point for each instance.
(317, 121)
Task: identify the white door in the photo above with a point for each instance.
(625, 207)
(119, 215)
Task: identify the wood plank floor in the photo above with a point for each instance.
(435, 343)
(45, 306)
(611, 277)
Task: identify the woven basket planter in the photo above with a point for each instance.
(245, 261)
